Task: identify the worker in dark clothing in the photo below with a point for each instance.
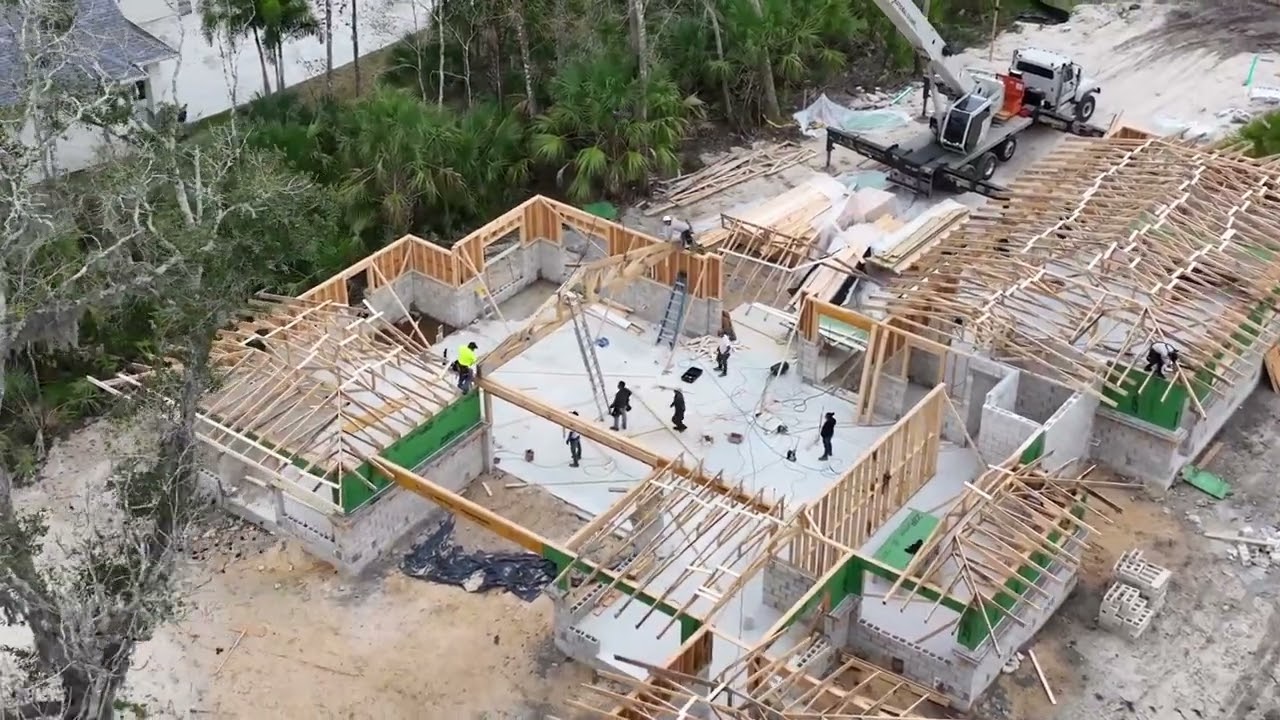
(1161, 357)
(620, 406)
(574, 442)
(677, 412)
(827, 432)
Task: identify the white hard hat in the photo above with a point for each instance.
(667, 219)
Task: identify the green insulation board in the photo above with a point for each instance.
(1147, 397)
(1206, 482)
(418, 446)
(898, 550)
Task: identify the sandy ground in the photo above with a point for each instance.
(271, 632)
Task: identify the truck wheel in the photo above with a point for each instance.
(1085, 108)
(1006, 149)
(985, 167)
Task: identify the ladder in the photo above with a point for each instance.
(673, 317)
(587, 346)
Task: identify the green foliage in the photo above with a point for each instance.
(607, 131)
(1263, 135)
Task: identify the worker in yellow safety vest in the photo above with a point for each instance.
(466, 364)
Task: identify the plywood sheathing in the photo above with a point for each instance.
(1105, 247)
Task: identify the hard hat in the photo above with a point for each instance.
(667, 219)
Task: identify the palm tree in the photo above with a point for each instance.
(608, 130)
(284, 20)
(401, 155)
(269, 22)
(235, 19)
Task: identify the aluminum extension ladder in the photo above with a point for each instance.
(587, 346)
(673, 317)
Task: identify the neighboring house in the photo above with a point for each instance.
(108, 48)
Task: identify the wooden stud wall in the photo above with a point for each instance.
(875, 487)
(537, 218)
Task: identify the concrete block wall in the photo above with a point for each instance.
(1069, 432)
(984, 663)
(383, 300)
(1038, 399)
(363, 536)
(1200, 431)
(1002, 431)
(808, 360)
(1135, 448)
(891, 650)
(784, 584)
(648, 301)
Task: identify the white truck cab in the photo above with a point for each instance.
(1054, 82)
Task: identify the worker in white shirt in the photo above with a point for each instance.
(722, 354)
(677, 231)
(574, 441)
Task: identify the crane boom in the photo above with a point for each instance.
(929, 45)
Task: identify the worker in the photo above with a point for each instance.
(620, 406)
(827, 432)
(677, 230)
(677, 412)
(1161, 357)
(574, 442)
(466, 366)
(722, 354)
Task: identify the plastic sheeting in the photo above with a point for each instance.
(438, 559)
(824, 113)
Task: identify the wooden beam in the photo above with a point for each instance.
(619, 443)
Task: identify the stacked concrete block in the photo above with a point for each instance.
(1151, 580)
(784, 584)
(1138, 593)
(1124, 610)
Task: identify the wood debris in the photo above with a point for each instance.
(724, 174)
(784, 229)
(1272, 361)
(909, 242)
(706, 346)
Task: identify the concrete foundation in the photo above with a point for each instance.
(352, 542)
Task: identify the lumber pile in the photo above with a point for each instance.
(848, 249)
(724, 174)
(903, 247)
(705, 347)
(785, 228)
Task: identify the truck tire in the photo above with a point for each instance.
(1006, 149)
(985, 166)
(1085, 108)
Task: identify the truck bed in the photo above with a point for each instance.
(923, 166)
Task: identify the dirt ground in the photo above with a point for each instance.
(271, 632)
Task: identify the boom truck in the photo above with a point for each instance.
(977, 115)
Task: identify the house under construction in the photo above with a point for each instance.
(726, 571)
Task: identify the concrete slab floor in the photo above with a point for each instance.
(552, 372)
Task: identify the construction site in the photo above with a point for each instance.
(980, 365)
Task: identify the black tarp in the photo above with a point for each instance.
(437, 559)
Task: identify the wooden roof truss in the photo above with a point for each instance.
(329, 385)
(687, 544)
(1106, 247)
(1005, 520)
(759, 685)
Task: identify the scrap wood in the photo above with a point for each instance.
(230, 650)
(725, 173)
(1044, 682)
(911, 241)
(1209, 454)
(1272, 361)
(1241, 539)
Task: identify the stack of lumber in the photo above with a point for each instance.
(849, 248)
(705, 347)
(904, 246)
(785, 228)
(724, 174)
